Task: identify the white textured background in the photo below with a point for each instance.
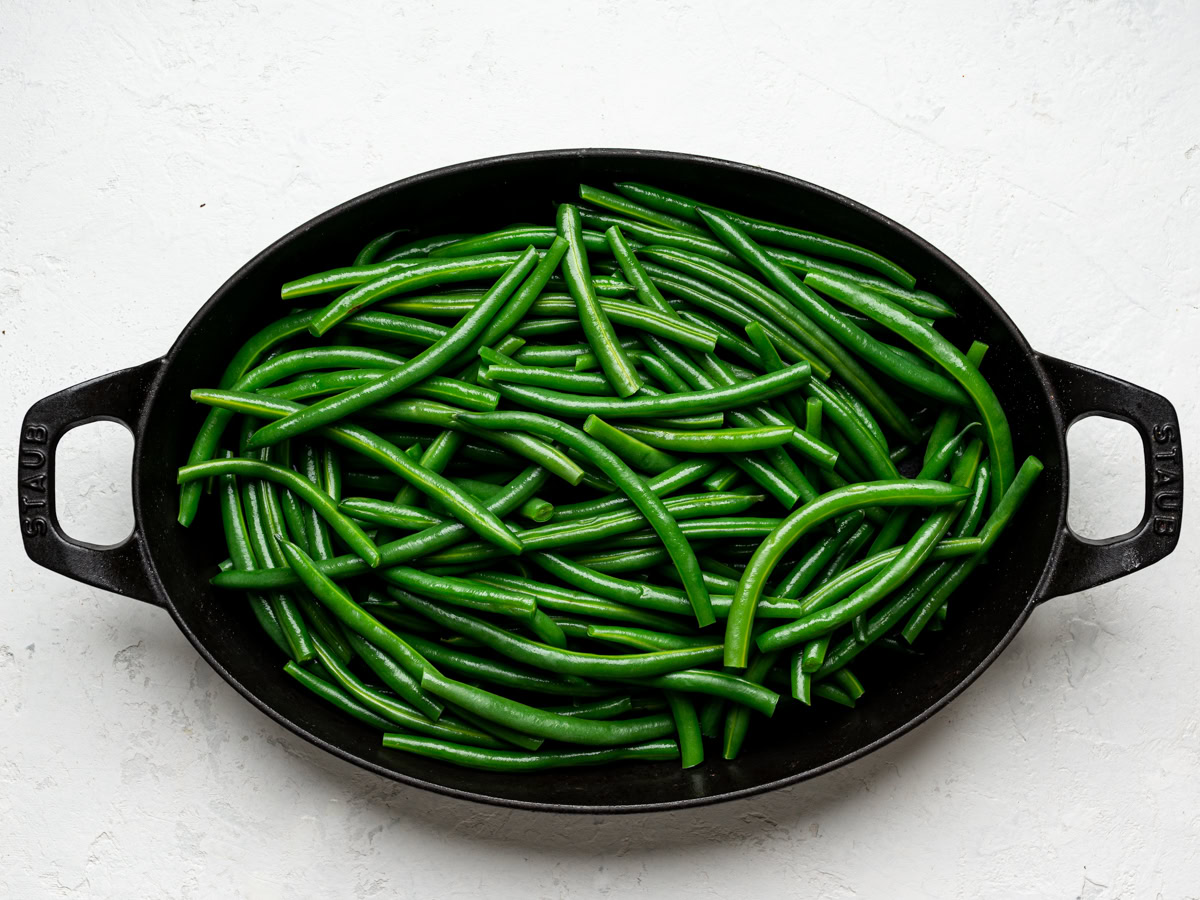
(148, 148)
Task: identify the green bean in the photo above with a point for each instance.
(666, 482)
(423, 246)
(703, 295)
(345, 527)
(461, 592)
(637, 453)
(555, 354)
(696, 335)
(643, 639)
(796, 322)
(737, 720)
(382, 512)
(445, 416)
(400, 328)
(832, 692)
(608, 708)
(833, 503)
(920, 302)
(517, 761)
(395, 677)
(503, 673)
(318, 532)
(848, 683)
(947, 420)
(874, 456)
(557, 379)
(634, 487)
(687, 727)
(690, 403)
(683, 509)
(860, 412)
(996, 523)
(718, 684)
(341, 278)
(205, 443)
(516, 238)
(933, 467)
(801, 682)
(396, 711)
(435, 458)
(374, 283)
(868, 348)
(596, 327)
(446, 390)
(604, 286)
(533, 328)
(508, 735)
(722, 479)
(372, 249)
(466, 509)
(554, 659)
(536, 510)
(242, 556)
(541, 723)
(516, 308)
(818, 556)
(780, 235)
(338, 602)
(727, 440)
(636, 211)
(564, 600)
(941, 351)
(333, 695)
(824, 618)
(419, 367)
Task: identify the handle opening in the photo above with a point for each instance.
(93, 488)
(1107, 460)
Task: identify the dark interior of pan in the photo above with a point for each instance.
(478, 196)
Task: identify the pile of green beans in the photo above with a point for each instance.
(590, 490)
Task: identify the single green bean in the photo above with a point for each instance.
(596, 327)
(524, 761)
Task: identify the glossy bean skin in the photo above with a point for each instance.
(597, 328)
(466, 509)
(725, 440)
(833, 503)
(394, 552)
(824, 618)
(319, 500)
(952, 360)
(518, 761)
(634, 487)
(991, 530)
(769, 232)
(553, 659)
(549, 725)
(691, 403)
(881, 355)
(426, 363)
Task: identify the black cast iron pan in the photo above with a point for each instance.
(166, 565)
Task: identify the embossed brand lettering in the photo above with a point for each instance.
(33, 485)
(1168, 501)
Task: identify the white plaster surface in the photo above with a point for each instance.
(148, 148)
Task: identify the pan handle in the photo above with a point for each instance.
(116, 397)
(1082, 563)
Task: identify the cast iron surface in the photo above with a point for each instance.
(164, 564)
